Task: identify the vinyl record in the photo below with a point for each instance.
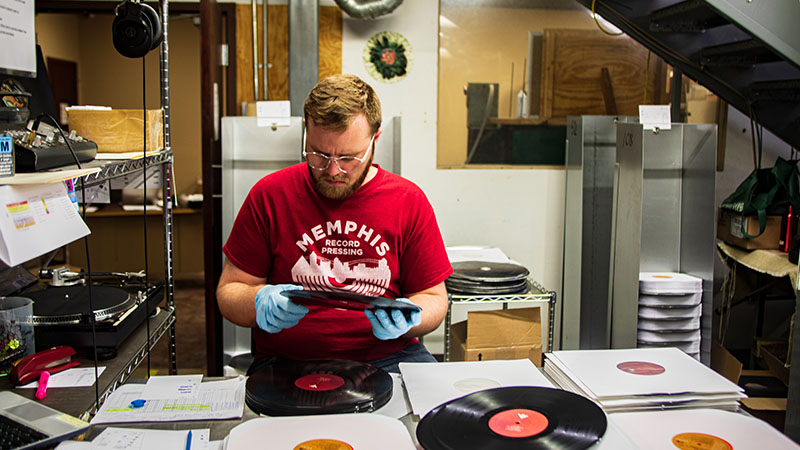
(488, 271)
(290, 388)
(347, 300)
(513, 418)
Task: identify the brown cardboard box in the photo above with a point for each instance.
(729, 230)
(770, 410)
(502, 334)
(118, 130)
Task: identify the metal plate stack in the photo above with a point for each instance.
(487, 278)
(669, 311)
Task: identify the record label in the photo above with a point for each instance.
(641, 368)
(470, 385)
(700, 441)
(324, 444)
(319, 382)
(518, 423)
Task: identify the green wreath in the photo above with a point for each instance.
(387, 56)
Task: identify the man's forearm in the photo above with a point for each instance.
(237, 302)
(434, 308)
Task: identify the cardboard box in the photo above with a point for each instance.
(118, 130)
(769, 409)
(729, 229)
(493, 335)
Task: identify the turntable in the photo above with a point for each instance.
(61, 312)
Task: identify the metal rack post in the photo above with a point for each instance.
(540, 296)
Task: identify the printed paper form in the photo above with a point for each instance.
(74, 377)
(141, 439)
(171, 387)
(214, 400)
(35, 219)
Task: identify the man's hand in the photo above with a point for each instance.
(390, 323)
(274, 312)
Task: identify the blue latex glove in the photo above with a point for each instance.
(390, 323)
(274, 312)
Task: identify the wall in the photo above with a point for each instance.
(520, 211)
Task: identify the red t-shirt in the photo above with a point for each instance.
(383, 240)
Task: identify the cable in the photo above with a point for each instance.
(144, 213)
(92, 318)
(594, 16)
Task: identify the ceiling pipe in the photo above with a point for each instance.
(368, 9)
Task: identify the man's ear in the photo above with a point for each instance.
(378, 134)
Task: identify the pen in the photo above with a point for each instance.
(189, 441)
(41, 392)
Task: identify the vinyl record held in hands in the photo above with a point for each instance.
(290, 388)
(347, 300)
(513, 418)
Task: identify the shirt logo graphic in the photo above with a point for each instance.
(362, 276)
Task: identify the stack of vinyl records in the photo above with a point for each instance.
(642, 379)
(670, 306)
(487, 278)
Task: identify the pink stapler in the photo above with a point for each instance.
(52, 360)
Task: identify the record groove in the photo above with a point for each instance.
(289, 388)
(513, 418)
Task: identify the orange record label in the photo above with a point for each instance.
(518, 423)
(324, 444)
(700, 441)
(641, 368)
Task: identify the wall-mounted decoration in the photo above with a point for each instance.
(387, 56)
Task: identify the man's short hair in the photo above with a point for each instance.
(336, 100)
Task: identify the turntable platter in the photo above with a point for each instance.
(70, 304)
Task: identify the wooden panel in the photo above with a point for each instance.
(573, 61)
(330, 41)
(330, 51)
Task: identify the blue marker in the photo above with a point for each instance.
(189, 441)
(137, 403)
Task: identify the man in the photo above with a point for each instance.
(336, 222)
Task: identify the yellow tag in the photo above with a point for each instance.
(323, 444)
(700, 441)
(74, 421)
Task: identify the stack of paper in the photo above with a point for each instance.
(698, 429)
(637, 379)
(431, 384)
(669, 311)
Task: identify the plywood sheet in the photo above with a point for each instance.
(330, 48)
(573, 62)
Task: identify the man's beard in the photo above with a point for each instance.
(341, 192)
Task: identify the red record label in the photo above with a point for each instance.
(641, 368)
(518, 423)
(319, 382)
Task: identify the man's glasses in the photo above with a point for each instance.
(319, 161)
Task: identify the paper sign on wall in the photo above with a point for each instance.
(273, 113)
(655, 116)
